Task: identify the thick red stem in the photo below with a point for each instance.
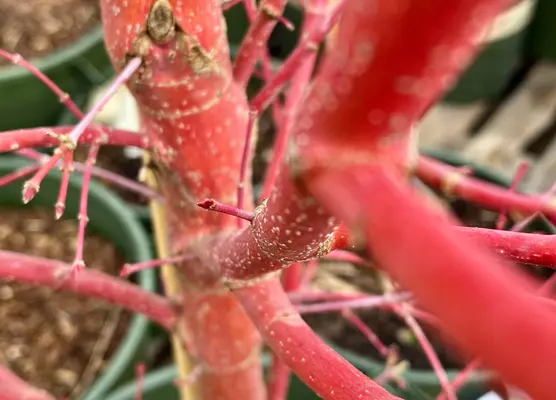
(324, 371)
(484, 305)
(196, 118)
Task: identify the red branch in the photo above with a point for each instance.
(530, 248)
(308, 45)
(14, 388)
(489, 195)
(255, 39)
(88, 282)
(480, 302)
(324, 371)
(38, 137)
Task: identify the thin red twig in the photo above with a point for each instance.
(428, 350)
(18, 174)
(140, 376)
(364, 302)
(129, 269)
(291, 65)
(100, 173)
(82, 216)
(213, 205)
(521, 170)
(299, 83)
(67, 167)
(372, 337)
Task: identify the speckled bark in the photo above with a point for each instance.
(484, 305)
(196, 118)
(360, 111)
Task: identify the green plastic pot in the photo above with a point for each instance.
(110, 218)
(541, 41)
(495, 65)
(27, 102)
(159, 385)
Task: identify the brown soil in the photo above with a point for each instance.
(54, 340)
(34, 28)
(113, 159)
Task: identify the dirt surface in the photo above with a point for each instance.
(54, 340)
(113, 159)
(34, 28)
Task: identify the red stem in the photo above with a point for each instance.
(229, 4)
(344, 255)
(521, 170)
(31, 187)
(14, 388)
(255, 39)
(82, 215)
(100, 173)
(296, 58)
(63, 97)
(363, 302)
(429, 351)
(309, 272)
(88, 282)
(18, 174)
(479, 192)
(131, 67)
(213, 205)
(298, 86)
(465, 286)
(196, 117)
(310, 296)
(530, 248)
(321, 368)
(140, 376)
(67, 167)
(37, 137)
(244, 166)
(129, 269)
(366, 331)
(462, 377)
(278, 379)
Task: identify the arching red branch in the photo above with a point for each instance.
(87, 282)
